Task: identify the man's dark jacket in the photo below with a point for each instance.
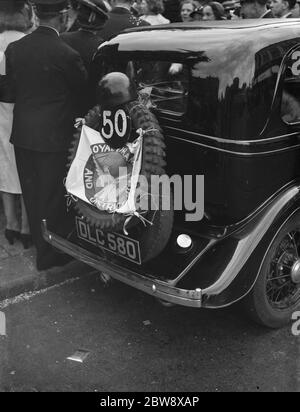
(120, 19)
(47, 77)
(172, 10)
(86, 43)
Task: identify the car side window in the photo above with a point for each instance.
(162, 85)
(165, 84)
(290, 104)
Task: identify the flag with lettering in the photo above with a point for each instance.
(104, 177)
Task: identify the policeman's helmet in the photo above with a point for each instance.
(92, 14)
(115, 89)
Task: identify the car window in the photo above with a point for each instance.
(162, 85)
(290, 104)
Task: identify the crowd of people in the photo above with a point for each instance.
(46, 50)
(164, 11)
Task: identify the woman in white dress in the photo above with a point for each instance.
(15, 21)
(153, 10)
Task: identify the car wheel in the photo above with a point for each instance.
(276, 293)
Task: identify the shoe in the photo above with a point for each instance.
(11, 236)
(57, 261)
(26, 240)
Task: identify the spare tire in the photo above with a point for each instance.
(153, 238)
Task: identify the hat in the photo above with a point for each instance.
(97, 6)
(50, 6)
(92, 14)
(11, 6)
(229, 5)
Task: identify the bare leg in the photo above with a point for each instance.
(25, 224)
(9, 203)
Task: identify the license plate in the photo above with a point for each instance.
(115, 243)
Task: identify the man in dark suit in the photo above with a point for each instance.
(172, 10)
(255, 9)
(121, 18)
(91, 17)
(46, 77)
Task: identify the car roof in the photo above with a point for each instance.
(195, 36)
(231, 58)
(217, 24)
(226, 50)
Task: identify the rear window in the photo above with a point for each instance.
(163, 85)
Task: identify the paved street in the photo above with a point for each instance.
(179, 349)
(18, 273)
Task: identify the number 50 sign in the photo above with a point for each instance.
(115, 126)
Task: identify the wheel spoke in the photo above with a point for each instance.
(282, 264)
(286, 266)
(291, 293)
(270, 288)
(296, 237)
(277, 298)
(291, 236)
(277, 289)
(287, 293)
(279, 277)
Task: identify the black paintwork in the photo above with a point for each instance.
(230, 116)
(233, 134)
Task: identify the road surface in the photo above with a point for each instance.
(135, 344)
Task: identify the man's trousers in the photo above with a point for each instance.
(42, 182)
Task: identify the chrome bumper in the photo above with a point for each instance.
(160, 290)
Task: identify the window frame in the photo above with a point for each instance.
(290, 62)
(178, 115)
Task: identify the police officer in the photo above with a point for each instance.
(121, 18)
(46, 76)
(91, 17)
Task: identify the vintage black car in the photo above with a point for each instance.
(227, 97)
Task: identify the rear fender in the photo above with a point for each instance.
(229, 269)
